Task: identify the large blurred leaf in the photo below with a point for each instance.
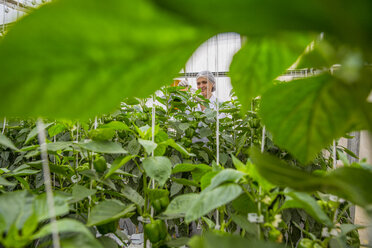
(209, 200)
(261, 60)
(307, 203)
(21, 208)
(304, 116)
(109, 210)
(351, 183)
(5, 141)
(349, 20)
(82, 57)
(42, 207)
(103, 147)
(158, 168)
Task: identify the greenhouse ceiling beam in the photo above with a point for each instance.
(289, 72)
(17, 5)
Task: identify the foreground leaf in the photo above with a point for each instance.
(350, 183)
(261, 60)
(307, 203)
(306, 115)
(82, 57)
(268, 17)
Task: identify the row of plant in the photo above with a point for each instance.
(103, 170)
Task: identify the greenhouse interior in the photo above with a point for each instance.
(173, 123)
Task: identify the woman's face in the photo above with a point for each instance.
(206, 87)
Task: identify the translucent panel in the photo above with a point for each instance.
(215, 55)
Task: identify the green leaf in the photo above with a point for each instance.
(134, 147)
(243, 222)
(5, 182)
(102, 134)
(184, 126)
(185, 181)
(158, 168)
(179, 206)
(306, 115)
(148, 145)
(59, 146)
(227, 175)
(102, 147)
(341, 182)
(5, 141)
(253, 17)
(178, 147)
(132, 195)
(105, 52)
(190, 167)
(244, 205)
(108, 242)
(107, 211)
(205, 132)
(117, 164)
(225, 240)
(179, 242)
(33, 133)
(21, 202)
(206, 179)
(64, 225)
(255, 175)
(209, 200)
(30, 225)
(56, 129)
(117, 125)
(42, 207)
(263, 59)
(80, 192)
(155, 194)
(307, 203)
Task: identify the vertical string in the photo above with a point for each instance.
(47, 183)
(4, 16)
(153, 140)
(217, 123)
(4, 124)
(54, 161)
(91, 167)
(217, 109)
(334, 154)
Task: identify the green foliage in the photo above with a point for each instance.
(108, 211)
(261, 60)
(86, 71)
(313, 112)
